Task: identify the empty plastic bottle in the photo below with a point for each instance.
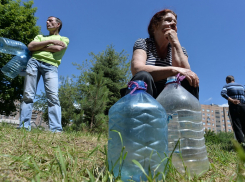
(15, 66)
(9, 46)
(142, 123)
(185, 126)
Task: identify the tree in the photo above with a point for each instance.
(116, 72)
(94, 102)
(68, 96)
(42, 105)
(17, 22)
(85, 103)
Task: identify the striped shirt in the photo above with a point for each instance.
(148, 45)
(234, 91)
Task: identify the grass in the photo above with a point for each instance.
(76, 156)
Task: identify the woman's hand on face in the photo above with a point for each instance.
(171, 36)
(189, 75)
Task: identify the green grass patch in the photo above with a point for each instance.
(80, 156)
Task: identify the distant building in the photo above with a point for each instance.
(14, 118)
(216, 118)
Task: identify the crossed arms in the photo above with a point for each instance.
(56, 46)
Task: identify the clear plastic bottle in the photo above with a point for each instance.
(9, 46)
(185, 125)
(15, 66)
(142, 123)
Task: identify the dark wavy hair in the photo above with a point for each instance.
(58, 21)
(156, 19)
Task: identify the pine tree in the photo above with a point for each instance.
(85, 103)
(116, 72)
(68, 97)
(94, 102)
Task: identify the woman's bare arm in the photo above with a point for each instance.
(179, 59)
(158, 73)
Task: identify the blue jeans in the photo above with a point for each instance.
(49, 73)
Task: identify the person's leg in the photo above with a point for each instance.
(30, 86)
(159, 88)
(50, 79)
(155, 88)
(242, 117)
(193, 90)
(147, 78)
(236, 124)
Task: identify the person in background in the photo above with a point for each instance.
(47, 52)
(160, 56)
(234, 93)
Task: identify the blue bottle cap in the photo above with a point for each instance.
(175, 79)
(137, 85)
(171, 79)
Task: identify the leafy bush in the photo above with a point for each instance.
(222, 138)
(211, 137)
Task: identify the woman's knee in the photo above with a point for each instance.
(143, 75)
(193, 90)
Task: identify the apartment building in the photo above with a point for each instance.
(216, 118)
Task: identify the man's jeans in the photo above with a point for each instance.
(49, 73)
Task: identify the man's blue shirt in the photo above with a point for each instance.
(234, 91)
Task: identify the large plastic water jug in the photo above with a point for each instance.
(17, 65)
(142, 123)
(9, 46)
(185, 126)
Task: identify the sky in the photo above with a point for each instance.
(212, 31)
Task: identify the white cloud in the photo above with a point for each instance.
(224, 105)
(208, 99)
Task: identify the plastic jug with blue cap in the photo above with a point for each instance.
(142, 124)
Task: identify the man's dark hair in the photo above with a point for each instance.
(230, 78)
(58, 21)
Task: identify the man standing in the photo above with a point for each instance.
(234, 93)
(47, 52)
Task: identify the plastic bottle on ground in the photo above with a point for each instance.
(142, 123)
(185, 125)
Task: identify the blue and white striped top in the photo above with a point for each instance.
(148, 45)
(234, 91)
